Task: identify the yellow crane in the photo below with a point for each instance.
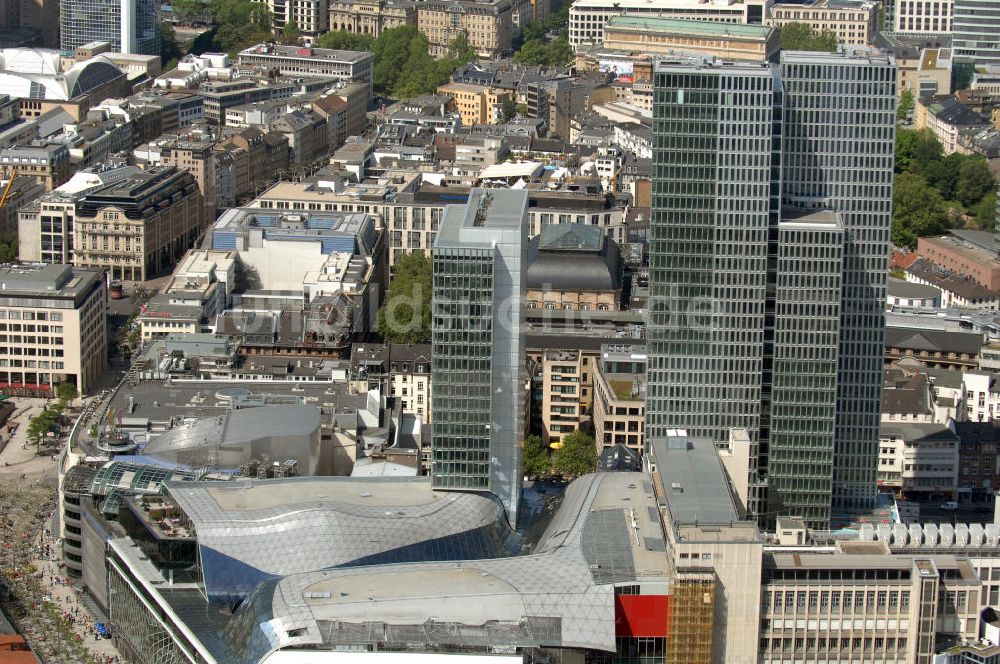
(3, 199)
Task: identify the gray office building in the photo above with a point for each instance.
(477, 336)
(976, 31)
(768, 249)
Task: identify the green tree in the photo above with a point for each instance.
(170, 51)
(926, 148)
(986, 212)
(537, 461)
(187, 11)
(460, 50)
(554, 53)
(906, 105)
(943, 174)
(577, 456)
(346, 41)
(392, 52)
(508, 109)
(918, 210)
(906, 139)
(290, 33)
(67, 391)
(801, 37)
(8, 248)
(405, 318)
(240, 23)
(974, 181)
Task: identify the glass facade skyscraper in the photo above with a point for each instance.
(130, 26)
(976, 31)
(714, 159)
(768, 249)
(477, 337)
(839, 153)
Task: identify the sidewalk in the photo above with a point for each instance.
(18, 457)
(67, 597)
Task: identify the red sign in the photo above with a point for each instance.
(642, 615)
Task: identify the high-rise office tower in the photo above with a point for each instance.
(716, 150)
(130, 26)
(839, 153)
(976, 31)
(477, 337)
(768, 248)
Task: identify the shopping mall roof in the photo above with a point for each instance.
(606, 531)
(253, 530)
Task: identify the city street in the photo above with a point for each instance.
(40, 600)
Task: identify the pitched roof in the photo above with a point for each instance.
(908, 338)
(952, 282)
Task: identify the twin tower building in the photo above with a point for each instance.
(768, 245)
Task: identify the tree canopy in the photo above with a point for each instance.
(802, 37)
(974, 181)
(933, 183)
(986, 212)
(906, 105)
(917, 210)
(405, 318)
(404, 66)
(188, 11)
(546, 42)
(239, 24)
(537, 461)
(8, 248)
(170, 51)
(290, 33)
(67, 391)
(577, 456)
(346, 41)
(554, 53)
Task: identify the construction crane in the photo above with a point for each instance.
(3, 199)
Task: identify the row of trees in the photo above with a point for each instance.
(933, 191)
(577, 456)
(51, 416)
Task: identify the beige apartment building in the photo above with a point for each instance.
(620, 397)
(196, 156)
(488, 25)
(45, 229)
(48, 164)
(371, 17)
(562, 406)
(136, 228)
(53, 328)
(477, 104)
(854, 21)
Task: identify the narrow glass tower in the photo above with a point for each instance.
(477, 335)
